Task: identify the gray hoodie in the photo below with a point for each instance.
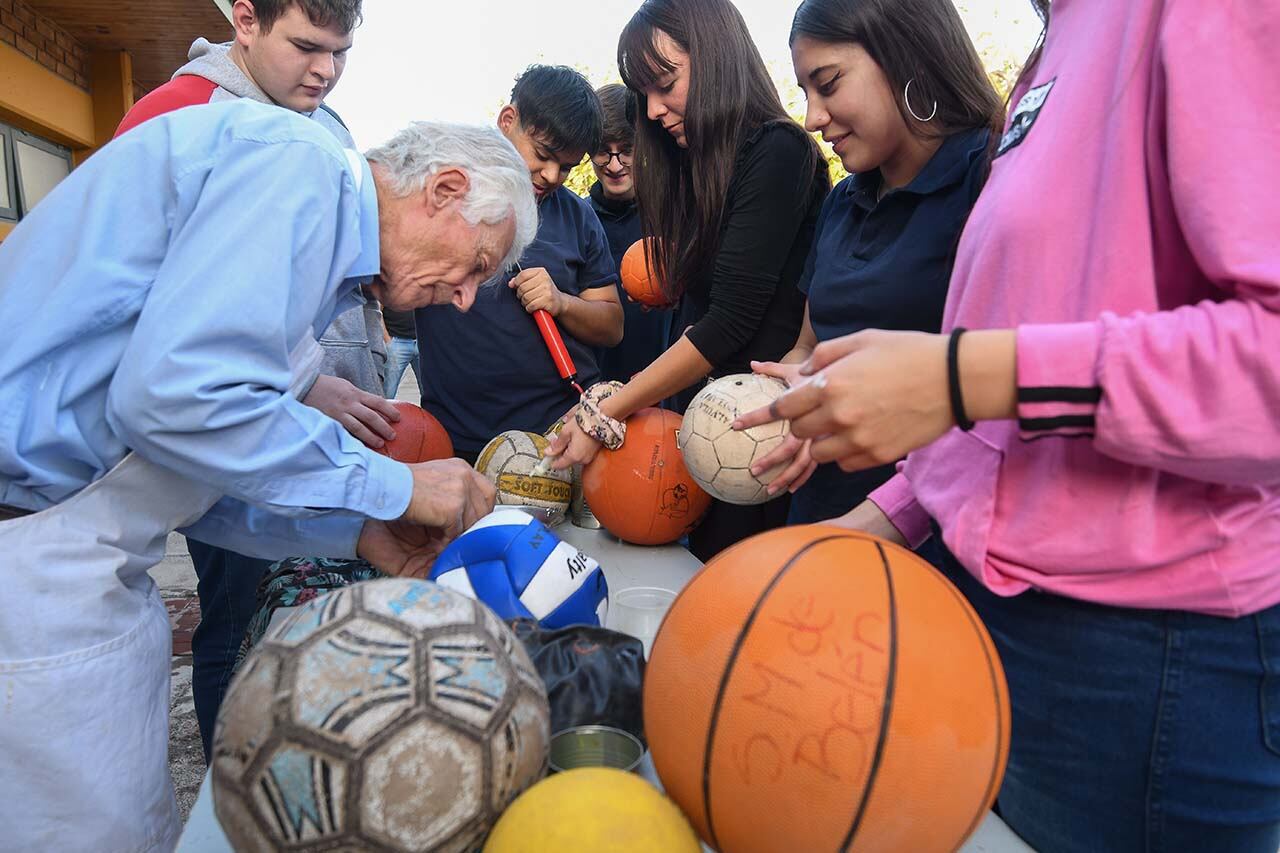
(353, 346)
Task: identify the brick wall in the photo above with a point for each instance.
(44, 41)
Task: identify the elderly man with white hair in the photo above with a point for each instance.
(157, 311)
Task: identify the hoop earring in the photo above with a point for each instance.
(906, 99)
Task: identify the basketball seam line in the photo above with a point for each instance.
(886, 707)
(971, 615)
(728, 673)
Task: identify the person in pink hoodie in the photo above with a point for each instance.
(1100, 452)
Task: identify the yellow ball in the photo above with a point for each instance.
(592, 810)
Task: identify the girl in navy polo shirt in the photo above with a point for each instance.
(905, 102)
(730, 187)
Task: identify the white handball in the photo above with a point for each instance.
(718, 456)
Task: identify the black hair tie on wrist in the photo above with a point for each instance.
(953, 380)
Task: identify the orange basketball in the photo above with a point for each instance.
(818, 689)
(641, 492)
(636, 280)
(419, 436)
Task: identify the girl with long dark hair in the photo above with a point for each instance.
(897, 88)
(1100, 452)
(730, 188)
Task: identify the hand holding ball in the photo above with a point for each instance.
(642, 493)
(512, 462)
(419, 436)
(720, 457)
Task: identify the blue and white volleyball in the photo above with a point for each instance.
(510, 561)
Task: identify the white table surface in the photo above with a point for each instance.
(666, 566)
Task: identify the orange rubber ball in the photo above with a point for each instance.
(636, 279)
(642, 493)
(419, 436)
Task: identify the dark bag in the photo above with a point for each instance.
(593, 675)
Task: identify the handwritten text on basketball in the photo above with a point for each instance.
(821, 697)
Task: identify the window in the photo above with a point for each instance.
(8, 193)
(40, 166)
(29, 168)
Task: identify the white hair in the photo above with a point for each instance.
(500, 184)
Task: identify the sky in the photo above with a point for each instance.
(456, 60)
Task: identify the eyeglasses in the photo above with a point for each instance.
(604, 158)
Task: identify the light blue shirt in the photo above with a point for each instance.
(154, 300)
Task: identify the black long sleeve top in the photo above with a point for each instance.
(750, 307)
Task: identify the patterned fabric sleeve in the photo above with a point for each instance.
(295, 581)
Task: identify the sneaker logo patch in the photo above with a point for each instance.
(1024, 115)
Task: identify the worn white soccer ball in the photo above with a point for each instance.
(719, 457)
(391, 715)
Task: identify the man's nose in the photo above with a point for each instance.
(324, 67)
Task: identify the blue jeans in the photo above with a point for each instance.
(401, 353)
(228, 590)
(1136, 730)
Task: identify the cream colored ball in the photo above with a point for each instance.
(720, 457)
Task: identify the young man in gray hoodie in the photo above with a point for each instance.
(290, 53)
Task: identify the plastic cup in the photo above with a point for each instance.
(638, 611)
(595, 746)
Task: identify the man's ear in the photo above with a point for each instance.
(508, 119)
(446, 188)
(244, 18)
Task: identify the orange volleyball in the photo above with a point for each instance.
(820, 689)
(637, 281)
(641, 492)
(419, 436)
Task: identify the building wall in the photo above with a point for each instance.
(40, 39)
(51, 86)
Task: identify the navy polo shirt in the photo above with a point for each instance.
(885, 265)
(645, 332)
(488, 370)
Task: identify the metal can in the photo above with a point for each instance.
(595, 746)
(579, 513)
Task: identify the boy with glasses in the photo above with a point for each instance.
(613, 198)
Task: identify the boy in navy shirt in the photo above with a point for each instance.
(613, 198)
(488, 370)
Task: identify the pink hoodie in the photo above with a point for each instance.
(1130, 230)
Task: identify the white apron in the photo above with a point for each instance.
(84, 662)
(84, 666)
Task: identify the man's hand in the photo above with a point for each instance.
(448, 496)
(537, 291)
(398, 548)
(366, 416)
